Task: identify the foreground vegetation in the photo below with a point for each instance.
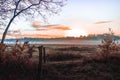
(67, 67)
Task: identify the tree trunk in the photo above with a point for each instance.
(5, 32)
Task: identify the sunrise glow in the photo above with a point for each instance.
(76, 32)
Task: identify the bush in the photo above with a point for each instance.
(109, 45)
(16, 51)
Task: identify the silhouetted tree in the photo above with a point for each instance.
(10, 9)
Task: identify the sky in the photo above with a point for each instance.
(78, 17)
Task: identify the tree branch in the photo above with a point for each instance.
(28, 7)
(16, 7)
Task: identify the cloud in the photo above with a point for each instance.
(40, 26)
(56, 27)
(102, 22)
(36, 24)
(61, 28)
(47, 30)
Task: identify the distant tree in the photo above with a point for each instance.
(10, 9)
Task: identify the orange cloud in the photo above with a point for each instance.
(54, 27)
(36, 24)
(102, 22)
(49, 27)
(39, 26)
(61, 28)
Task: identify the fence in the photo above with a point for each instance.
(42, 59)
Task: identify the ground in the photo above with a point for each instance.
(65, 62)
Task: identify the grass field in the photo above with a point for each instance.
(64, 62)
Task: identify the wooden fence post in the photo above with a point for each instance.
(40, 63)
(44, 55)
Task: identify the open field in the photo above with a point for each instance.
(64, 62)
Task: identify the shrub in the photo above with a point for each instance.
(16, 51)
(109, 45)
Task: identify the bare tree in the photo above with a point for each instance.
(10, 9)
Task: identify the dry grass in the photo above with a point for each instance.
(90, 69)
(63, 56)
